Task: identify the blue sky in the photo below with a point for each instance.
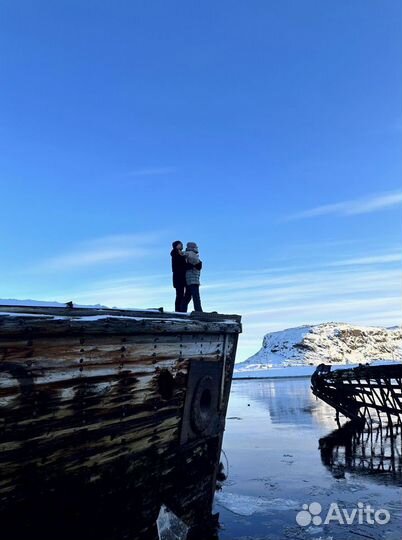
(270, 132)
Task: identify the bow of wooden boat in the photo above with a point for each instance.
(123, 408)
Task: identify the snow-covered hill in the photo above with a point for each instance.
(336, 343)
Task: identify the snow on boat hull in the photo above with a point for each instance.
(108, 414)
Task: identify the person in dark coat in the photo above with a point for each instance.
(193, 270)
(179, 267)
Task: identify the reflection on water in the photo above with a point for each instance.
(374, 451)
(286, 401)
(272, 441)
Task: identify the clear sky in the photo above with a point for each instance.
(270, 132)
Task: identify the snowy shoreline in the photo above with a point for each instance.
(296, 371)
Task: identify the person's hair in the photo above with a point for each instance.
(176, 243)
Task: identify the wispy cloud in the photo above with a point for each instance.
(151, 171)
(104, 250)
(374, 259)
(365, 205)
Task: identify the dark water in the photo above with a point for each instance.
(272, 442)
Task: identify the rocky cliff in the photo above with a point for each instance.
(337, 343)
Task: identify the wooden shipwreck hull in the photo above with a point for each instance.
(364, 393)
(107, 414)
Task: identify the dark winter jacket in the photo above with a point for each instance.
(179, 267)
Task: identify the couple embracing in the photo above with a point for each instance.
(186, 268)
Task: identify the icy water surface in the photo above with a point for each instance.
(271, 443)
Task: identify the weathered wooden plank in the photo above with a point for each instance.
(69, 352)
(46, 311)
(29, 327)
(47, 320)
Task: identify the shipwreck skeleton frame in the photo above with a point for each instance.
(370, 394)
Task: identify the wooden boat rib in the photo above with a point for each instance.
(363, 393)
(114, 411)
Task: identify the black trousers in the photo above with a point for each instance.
(192, 292)
(178, 305)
